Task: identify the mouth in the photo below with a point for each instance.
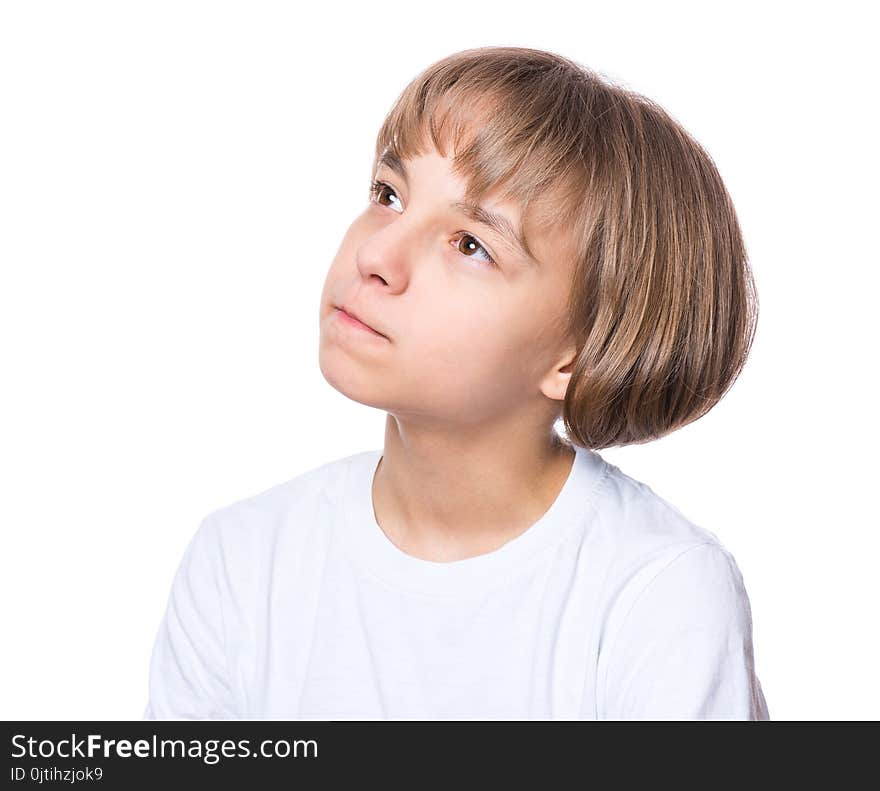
(350, 318)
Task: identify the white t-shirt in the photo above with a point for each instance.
(294, 604)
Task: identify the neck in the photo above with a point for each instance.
(441, 497)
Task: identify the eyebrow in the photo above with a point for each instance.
(497, 222)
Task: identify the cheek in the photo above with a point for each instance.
(474, 353)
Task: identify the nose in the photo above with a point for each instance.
(389, 250)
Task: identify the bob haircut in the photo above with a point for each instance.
(662, 307)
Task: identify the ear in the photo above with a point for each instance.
(555, 383)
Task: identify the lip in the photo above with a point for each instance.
(354, 320)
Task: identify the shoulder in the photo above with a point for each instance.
(696, 587)
(661, 558)
(254, 529)
(642, 521)
(679, 645)
(676, 628)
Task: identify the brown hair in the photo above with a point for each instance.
(662, 307)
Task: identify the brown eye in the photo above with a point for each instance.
(467, 244)
(378, 189)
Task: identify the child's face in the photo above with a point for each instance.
(467, 341)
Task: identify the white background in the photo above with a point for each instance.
(175, 178)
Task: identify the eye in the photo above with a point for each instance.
(379, 189)
(474, 243)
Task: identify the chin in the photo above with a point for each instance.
(351, 381)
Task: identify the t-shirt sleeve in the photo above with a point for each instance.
(684, 650)
(189, 674)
